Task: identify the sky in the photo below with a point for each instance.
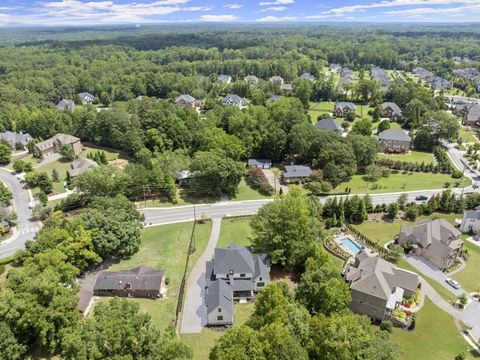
(102, 12)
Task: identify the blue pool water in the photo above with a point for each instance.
(351, 246)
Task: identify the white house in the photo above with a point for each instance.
(470, 221)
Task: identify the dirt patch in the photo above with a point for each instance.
(122, 163)
(290, 277)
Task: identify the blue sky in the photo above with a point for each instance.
(98, 12)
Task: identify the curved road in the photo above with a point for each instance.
(26, 227)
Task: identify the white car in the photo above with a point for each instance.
(453, 283)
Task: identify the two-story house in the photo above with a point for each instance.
(395, 141)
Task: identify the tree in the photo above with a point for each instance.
(377, 114)
(118, 329)
(240, 343)
(6, 195)
(42, 198)
(392, 210)
(39, 179)
(215, 174)
(55, 175)
(384, 125)
(5, 153)
(67, 152)
(285, 229)
(21, 166)
(10, 348)
(363, 127)
(279, 343)
(101, 181)
(364, 147)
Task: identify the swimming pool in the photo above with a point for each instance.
(351, 246)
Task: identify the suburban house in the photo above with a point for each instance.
(251, 79)
(65, 104)
(471, 114)
(234, 100)
(79, 166)
(273, 99)
(235, 274)
(329, 124)
(377, 287)
(422, 73)
(470, 221)
(287, 88)
(53, 145)
(140, 282)
(395, 141)
(381, 77)
(391, 111)
(86, 97)
(307, 76)
(183, 177)
(260, 163)
(335, 68)
(296, 172)
(188, 101)
(17, 141)
(276, 80)
(224, 79)
(342, 108)
(435, 240)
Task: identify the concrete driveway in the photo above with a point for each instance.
(471, 316)
(194, 315)
(274, 181)
(428, 269)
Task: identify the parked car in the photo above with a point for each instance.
(421, 198)
(453, 283)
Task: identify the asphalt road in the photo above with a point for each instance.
(26, 227)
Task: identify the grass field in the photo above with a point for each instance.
(165, 247)
(320, 109)
(469, 277)
(435, 337)
(203, 342)
(468, 136)
(399, 182)
(412, 157)
(235, 231)
(383, 232)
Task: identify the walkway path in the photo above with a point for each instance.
(194, 315)
(430, 292)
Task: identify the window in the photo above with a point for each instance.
(260, 284)
(260, 278)
(219, 310)
(242, 275)
(219, 318)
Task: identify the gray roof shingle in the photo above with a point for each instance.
(394, 134)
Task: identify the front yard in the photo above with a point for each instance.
(235, 230)
(435, 337)
(412, 157)
(469, 277)
(165, 247)
(399, 182)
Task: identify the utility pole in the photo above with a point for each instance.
(144, 196)
(275, 181)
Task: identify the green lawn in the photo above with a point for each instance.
(468, 136)
(237, 231)
(412, 157)
(435, 337)
(165, 247)
(383, 232)
(469, 277)
(399, 182)
(245, 192)
(203, 342)
(320, 109)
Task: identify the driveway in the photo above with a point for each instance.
(274, 181)
(194, 315)
(428, 269)
(471, 316)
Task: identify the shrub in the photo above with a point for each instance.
(2, 269)
(457, 174)
(257, 179)
(386, 325)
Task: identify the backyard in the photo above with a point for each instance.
(435, 337)
(165, 247)
(397, 182)
(412, 157)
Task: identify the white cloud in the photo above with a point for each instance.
(277, 2)
(395, 3)
(451, 10)
(274, 8)
(233, 6)
(218, 18)
(276, 19)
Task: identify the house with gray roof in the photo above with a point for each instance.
(470, 222)
(224, 79)
(234, 100)
(435, 240)
(276, 80)
(378, 287)
(396, 141)
(66, 104)
(471, 114)
(342, 108)
(307, 76)
(86, 97)
(287, 88)
(335, 68)
(17, 141)
(296, 173)
(53, 145)
(381, 77)
(252, 80)
(329, 124)
(273, 98)
(391, 111)
(140, 282)
(235, 274)
(79, 166)
(260, 163)
(188, 101)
